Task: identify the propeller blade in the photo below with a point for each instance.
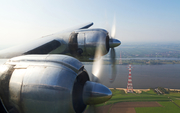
(113, 54)
(97, 65)
(113, 30)
(113, 43)
(113, 66)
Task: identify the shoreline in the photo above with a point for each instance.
(140, 90)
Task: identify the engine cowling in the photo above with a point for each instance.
(83, 43)
(48, 84)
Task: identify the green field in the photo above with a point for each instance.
(168, 107)
(170, 102)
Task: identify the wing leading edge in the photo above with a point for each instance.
(83, 26)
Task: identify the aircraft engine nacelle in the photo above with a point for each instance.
(48, 84)
(85, 42)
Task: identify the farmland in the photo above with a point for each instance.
(144, 102)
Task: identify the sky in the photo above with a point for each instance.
(136, 20)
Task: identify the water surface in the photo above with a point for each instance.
(143, 76)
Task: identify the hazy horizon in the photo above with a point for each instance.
(8, 45)
(136, 20)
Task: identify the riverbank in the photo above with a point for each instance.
(143, 90)
(135, 61)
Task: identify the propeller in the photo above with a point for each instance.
(113, 43)
(98, 63)
(96, 74)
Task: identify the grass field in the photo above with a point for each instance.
(170, 102)
(121, 96)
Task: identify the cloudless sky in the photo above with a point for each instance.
(136, 20)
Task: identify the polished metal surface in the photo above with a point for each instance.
(44, 86)
(89, 39)
(40, 83)
(49, 92)
(68, 61)
(54, 83)
(82, 45)
(48, 84)
(95, 93)
(114, 43)
(81, 41)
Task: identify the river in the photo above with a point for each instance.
(143, 76)
(144, 58)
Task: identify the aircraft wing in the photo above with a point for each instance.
(54, 77)
(38, 46)
(43, 45)
(83, 26)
